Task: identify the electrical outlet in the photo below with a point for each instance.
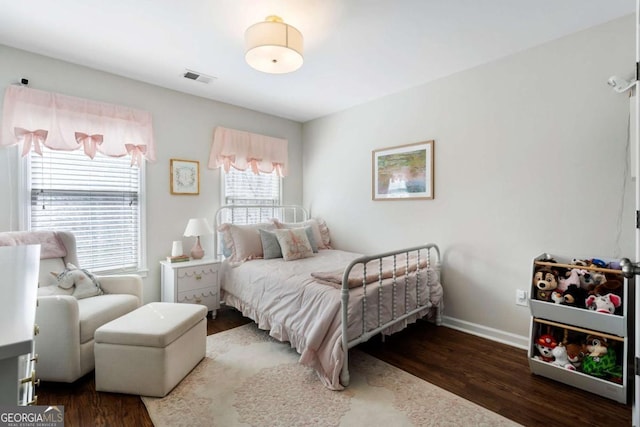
(521, 297)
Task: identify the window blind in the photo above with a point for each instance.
(248, 188)
(98, 200)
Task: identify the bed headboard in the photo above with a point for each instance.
(252, 214)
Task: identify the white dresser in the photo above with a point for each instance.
(19, 286)
(194, 282)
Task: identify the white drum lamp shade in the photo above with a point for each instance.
(273, 46)
(197, 227)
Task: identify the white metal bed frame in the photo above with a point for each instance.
(248, 214)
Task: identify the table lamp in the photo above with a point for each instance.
(197, 227)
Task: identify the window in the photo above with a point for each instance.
(98, 200)
(247, 188)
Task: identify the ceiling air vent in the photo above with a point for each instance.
(195, 75)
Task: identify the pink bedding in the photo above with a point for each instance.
(285, 299)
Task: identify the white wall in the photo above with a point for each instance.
(529, 158)
(183, 128)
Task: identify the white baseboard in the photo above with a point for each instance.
(492, 334)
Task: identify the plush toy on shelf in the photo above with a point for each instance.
(561, 358)
(545, 345)
(601, 359)
(575, 296)
(557, 297)
(611, 286)
(590, 279)
(572, 278)
(545, 280)
(576, 353)
(606, 304)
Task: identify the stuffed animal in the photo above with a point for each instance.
(545, 345)
(561, 358)
(603, 304)
(575, 296)
(83, 283)
(557, 297)
(610, 286)
(590, 279)
(601, 360)
(575, 353)
(545, 280)
(574, 278)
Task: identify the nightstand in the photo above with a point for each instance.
(194, 282)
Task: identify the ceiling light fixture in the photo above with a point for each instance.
(273, 46)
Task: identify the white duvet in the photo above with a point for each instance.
(282, 297)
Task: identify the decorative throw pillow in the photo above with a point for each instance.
(270, 246)
(317, 227)
(82, 283)
(294, 243)
(243, 240)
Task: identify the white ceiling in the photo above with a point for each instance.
(355, 50)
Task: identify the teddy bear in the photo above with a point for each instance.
(545, 280)
(545, 345)
(603, 303)
(601, 359)
(575, 296)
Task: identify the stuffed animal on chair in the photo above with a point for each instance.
(83, 283)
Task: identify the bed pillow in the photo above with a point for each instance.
(318, 227)
(243, 241)
(294, 243)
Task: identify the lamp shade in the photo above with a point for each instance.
(197, 227)
(273, 46)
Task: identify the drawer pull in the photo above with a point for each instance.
(198, 300)
(198, 277)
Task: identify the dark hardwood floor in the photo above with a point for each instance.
(492, 375)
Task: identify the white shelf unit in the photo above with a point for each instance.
(20, 266)
(617, 328)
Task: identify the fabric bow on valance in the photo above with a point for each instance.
(244, 150)
(37, 118)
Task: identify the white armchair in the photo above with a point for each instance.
(67, 325)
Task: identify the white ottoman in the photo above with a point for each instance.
(150, 350)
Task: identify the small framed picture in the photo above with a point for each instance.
(185, 176)
(404, 172)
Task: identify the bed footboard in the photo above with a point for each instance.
(410, 279)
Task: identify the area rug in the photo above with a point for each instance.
(249, 379)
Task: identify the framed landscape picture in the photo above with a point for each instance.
(185, 176)
(403, 172)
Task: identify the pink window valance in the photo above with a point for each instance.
(244, 150)
(37, 118)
